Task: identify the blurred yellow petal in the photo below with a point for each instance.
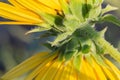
(72, 73)
(46, 64)
(51, 3)
(89, 73)
(59, 72)
(12, 13)
(36, 7)
(84, 75)
(18, 23)
(109, 74)
(16, 4)
(114, 69)
(52, 70)
(98, 71)
(26, 66)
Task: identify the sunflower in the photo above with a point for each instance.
(77, 52)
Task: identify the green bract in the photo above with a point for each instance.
(75, 33)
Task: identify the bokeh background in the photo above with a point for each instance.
(15, 46)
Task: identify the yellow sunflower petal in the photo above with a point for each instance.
(40, 68)
(65, 73)
(59, 72)
(72, 73)
(98, 71)
(42, 72)
(113, 68)
(10, 12)
(25, 66)
(51, 3)
(47, 75)
(52, 70)
(89, 71)
(82, 75)
(17, 23)
(36, 7)
(16, 4)
(110, 75)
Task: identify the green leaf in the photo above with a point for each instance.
(38, 29)
(90, 2)
(48, 45)
(95, 12)
(85, 48)
(49, 18)
(111, 18)
(76, 8)
(86, 8)
(61, 56)
(69, 54)
(60, 37)
(77, 62)
(72, 45)
(97, 2)
(99, 48)
(71, 22)
(102, 32)
(108, 8)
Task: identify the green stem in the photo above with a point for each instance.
(109, 48)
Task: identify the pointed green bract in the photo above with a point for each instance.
(111, 18)
(71, 23)
(60, 37)
(102, 33)
(38, 29)
(86, 48)
(76, 9)
(69, 54)
(95, 12)
(108, 8)
(65, 7)
(77, 61)
(99, 48)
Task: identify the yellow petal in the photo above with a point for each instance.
(10, 12)
(89, 71)
(98, 71)
(36, 7)
(42, 72)
(82, 75)
(114, 69)
(59, 72)
(42, 68)
(72, 72)
(51, 3)
(16, 4)
(110, 75)
(17, 23)
(26, 66)
(53, 69)
(65, 72)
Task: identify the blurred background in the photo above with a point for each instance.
(15, 46)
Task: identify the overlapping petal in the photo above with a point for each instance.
(27, 11)
(46, 66)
